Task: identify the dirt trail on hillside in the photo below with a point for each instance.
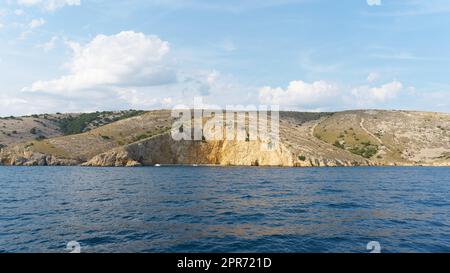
(361, 124)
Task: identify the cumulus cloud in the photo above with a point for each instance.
(299, 94)
(368, 95)
(374, 2)
(122, 60)
(131, 70)
(50, 5)
(35, 23)
(324, 96)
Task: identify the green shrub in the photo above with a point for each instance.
(366, 151)
(339, 145)
(366, 143)
(141, 137)
(76, 125)
(302, 158)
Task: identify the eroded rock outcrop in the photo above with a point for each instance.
(23, 157)
(163, 150)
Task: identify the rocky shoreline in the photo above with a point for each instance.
(123, 159)
(349, 138)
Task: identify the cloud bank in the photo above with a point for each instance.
(122, 60)
(299, 94)
(383, 93)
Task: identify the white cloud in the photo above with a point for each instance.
(8, 101)
(35, 23)
(130, 70)
(374, 2)
(49, 45)
(367, 95)
(50, 5)
(299, 94)
(324, 96)
(125, 59)
(373, 77)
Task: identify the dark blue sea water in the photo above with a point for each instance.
(206, 209)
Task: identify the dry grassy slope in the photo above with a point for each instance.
(15, 130)
(297, 133)
(86, 145)
(400, 137)
(19, 129)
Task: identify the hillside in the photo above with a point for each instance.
(22, 129)
(14, 130)
(350, 138)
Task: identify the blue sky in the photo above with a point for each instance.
(310, 55)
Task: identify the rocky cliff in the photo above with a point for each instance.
(351, 138)
(163, 149)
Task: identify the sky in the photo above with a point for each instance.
(305, 55)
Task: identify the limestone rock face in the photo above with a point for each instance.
(163, 150)
(19, 157)
(115, 158)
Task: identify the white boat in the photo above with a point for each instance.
(157, 165)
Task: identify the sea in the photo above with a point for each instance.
(199, 209)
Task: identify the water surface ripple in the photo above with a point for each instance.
(208, 209)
